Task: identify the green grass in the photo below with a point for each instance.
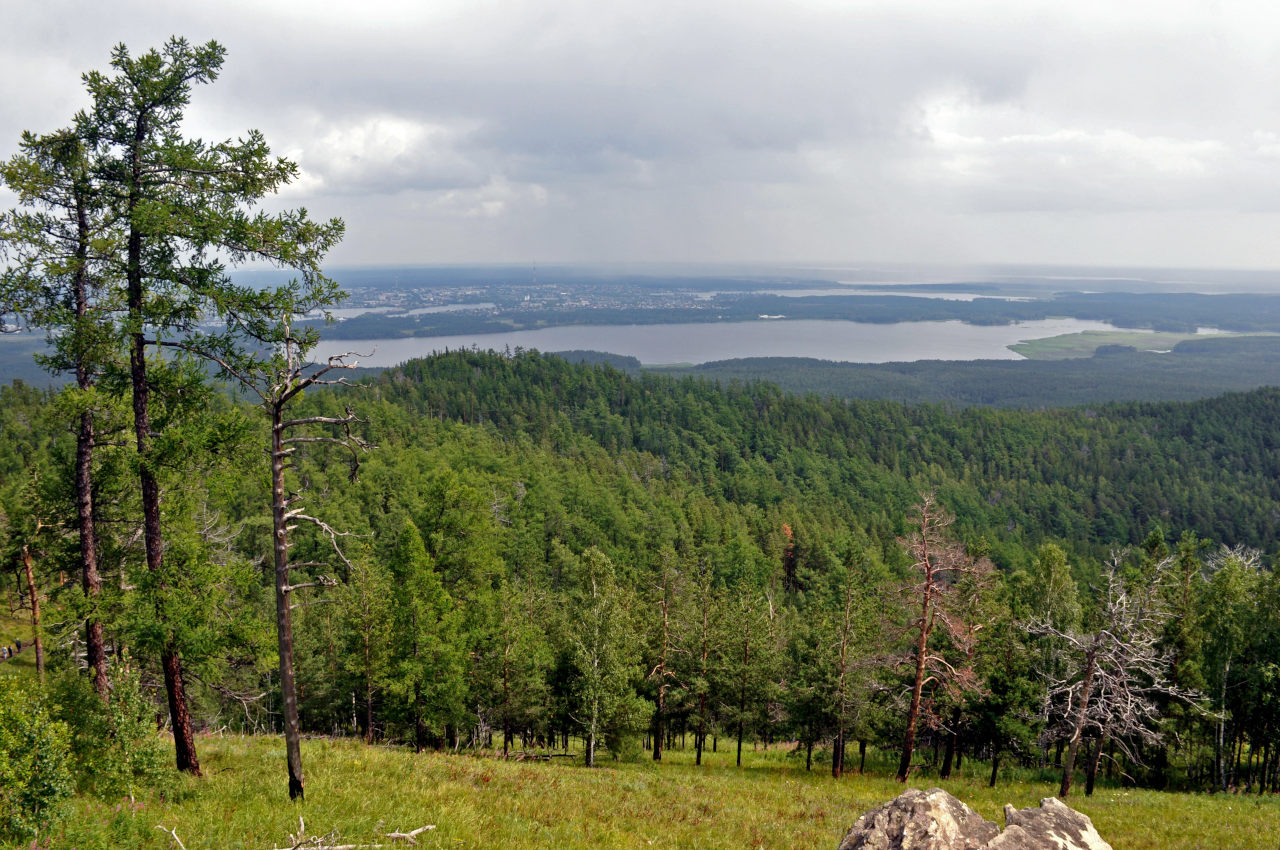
(13, 628)
(1086, 343)
(362, 792)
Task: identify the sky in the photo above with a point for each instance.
(1129, 133)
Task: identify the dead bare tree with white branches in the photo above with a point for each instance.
(1118, 675)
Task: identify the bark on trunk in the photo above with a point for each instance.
(179, 715)
(1073, 747)
(91, 579)
(1219, 742)
(284, 614)
(34, 593)
(950, 754)
(913, 713)
(420, 725)
(1095, 759)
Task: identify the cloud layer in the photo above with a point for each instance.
(1141, 133)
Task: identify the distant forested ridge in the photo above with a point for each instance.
(1193, 369)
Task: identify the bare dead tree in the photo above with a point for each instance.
(1118, 675)
(277, 380)
(939, 563)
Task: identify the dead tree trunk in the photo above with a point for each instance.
(1073, 744)
(1094, 760)
(34, 593)
(917, 686)
(284, 607)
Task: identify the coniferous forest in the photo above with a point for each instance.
(516, 554)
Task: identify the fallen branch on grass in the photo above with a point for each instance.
(410, 837)
(302, 841)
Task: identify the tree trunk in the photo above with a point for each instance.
(1095, 759)
(995, 767)
(913, 713)
(1086, 691)
(862, 756)
(368, 695)
(506, 705)
(37, 641)
(91, 579)
(419, 724)
(184, 743)
(657, 738)
(1219, 741)
(837, 754)
(742, 695)
(661, 672)
(284, 613)
(702, 723)
(947, 759)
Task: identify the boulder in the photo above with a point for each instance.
(921, 820)
(935, 820)
(1053, 826)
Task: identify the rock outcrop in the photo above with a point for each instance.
(921, 820)
(1053, 826)
(935, 820)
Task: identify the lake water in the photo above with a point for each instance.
(857, 342)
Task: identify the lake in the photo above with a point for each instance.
(857, 342)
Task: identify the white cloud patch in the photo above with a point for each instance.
(385, 153)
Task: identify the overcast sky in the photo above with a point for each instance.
(1121, 132)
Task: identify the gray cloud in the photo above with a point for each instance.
(908, 130)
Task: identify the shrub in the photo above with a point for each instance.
(115, 748)
(35, 764)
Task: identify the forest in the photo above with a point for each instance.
(537, 552)
(513, 554)
(1192, 369)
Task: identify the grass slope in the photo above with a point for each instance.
(1085, 344)
(361, 793)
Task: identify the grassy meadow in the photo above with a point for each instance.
(1084, 344)
(356, 794)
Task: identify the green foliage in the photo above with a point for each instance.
(35, 763)
(115, 749)
(426, 666)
